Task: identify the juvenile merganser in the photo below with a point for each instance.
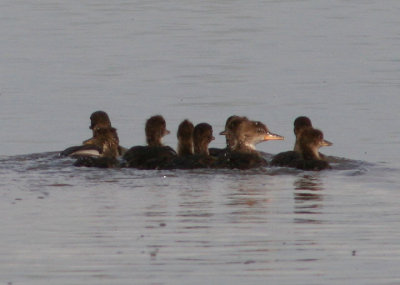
(105, 140)
(155, 155)
(98, 120)
(308, 156)
(300, 123)
(185, 138)
(202, 135)
(229, 132)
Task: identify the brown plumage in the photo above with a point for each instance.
(300, 123)
(185, 138)
(307, 157)
(202, 136)
(155, 130)
(243, 136)
(155, 155)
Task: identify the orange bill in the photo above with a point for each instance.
(273, 137)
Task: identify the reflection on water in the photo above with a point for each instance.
(205, 60)
(308, 199)
(180, 223)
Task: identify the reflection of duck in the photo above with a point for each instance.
(91, 147)
(308, 156)
(243, 136)
(308, 199)
(155, 155)
(308, 182)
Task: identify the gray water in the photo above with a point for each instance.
(337, 62)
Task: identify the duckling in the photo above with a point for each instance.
(105, 140)
(99, 120)
(202, 136)
(229, 132)
(185, 138)
(300, 123)
(155, 155)
(308, 156)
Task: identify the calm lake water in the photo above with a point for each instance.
(337, 62)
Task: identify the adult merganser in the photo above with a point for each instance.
(243, 136)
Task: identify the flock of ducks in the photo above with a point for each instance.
(242, 135)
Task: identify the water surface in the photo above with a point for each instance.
(272, 61)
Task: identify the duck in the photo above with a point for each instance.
(287, 158)
(243, 135)
(105, 141)
(154, 155)
(250, 133)
(196, 143)
(299, 124)
(202, 137)
(308, 156)
(98, 120)
(185, 138)
(230, 129)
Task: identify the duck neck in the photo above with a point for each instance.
(245, 147)
(310, 153)
(107, 140)
(154, 141)
(185, 148)
(201, 148)
(296, 147)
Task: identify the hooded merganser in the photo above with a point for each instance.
(310, 141)
(98, 120)
(300, 123)
(185, 138)
(250, 133)
(229, 132)
(105, 140)
(308, 156)
(288, 158)
(155, 155)
(201, 137)
(244, 135)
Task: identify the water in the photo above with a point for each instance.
(336, 62)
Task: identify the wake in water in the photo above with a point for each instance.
(52, 162)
